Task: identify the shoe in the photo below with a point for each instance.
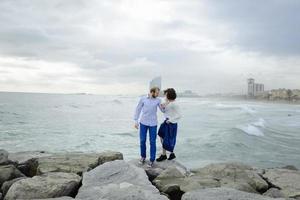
(172, 156)
(142, 161)
(150, 164)
(161, 158)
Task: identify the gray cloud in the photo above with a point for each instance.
(95, 46)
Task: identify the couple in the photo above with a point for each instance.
(146, 119)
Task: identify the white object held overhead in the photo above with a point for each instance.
(156, 82)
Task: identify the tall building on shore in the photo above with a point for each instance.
(156, 82)
(254, 88)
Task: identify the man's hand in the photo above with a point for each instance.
(136, 125)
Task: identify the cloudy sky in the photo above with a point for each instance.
(117, 46)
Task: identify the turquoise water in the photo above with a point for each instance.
(211, 130)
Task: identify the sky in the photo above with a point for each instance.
(117, 46)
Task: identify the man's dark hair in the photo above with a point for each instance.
(170, 93)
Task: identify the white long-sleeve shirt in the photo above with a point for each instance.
(172, 112)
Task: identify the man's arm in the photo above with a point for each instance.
(138, 111)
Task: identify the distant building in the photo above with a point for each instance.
(254, 89)
(156, 82)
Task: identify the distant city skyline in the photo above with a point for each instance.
(116, 47)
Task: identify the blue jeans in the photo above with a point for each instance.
(143, 138)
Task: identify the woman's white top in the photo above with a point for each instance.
(172, 112)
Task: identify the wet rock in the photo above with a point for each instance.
(287, 180)
(117, 180)
(222, 194)
(274, 193)
(49, 185)
(9, 172)
(3, 157)
(7, 184)
(75, 162)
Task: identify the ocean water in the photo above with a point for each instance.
(211, 130)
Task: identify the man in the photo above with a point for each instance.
(146, 119)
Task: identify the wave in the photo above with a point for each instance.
(251, 130)
(244, 108)
(260, 123)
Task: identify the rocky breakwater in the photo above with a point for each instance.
(42, 175)
(106, 176)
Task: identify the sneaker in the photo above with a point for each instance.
(142, 161)
(161, 158)
(172, 156)
(150, 164)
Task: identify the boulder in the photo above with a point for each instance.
(3, 157)
(234, 175)
(159, 167)
(285, 179)
(7, 184)
(48, 185)
(39, 162)
(117, 180)
(75, 162)
(274, 193)
(1, 196)
(27, 162)
(222, 194)
(9, 172)
(59, 198)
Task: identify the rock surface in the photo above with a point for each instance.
(287, 180)
(3, 157)
(46, 186)
(39, 162)
(222, 194)
(117, 180)
(159, 167)
(75, 162)
(7, 184)
(274, 193)
(59, 198)
(234, 175)
(9, 172)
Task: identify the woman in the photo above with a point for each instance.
(168, 129)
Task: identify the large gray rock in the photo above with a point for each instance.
(234, 175)
(7, 184)
(49, 185)
(274, 193)
(75, 162)
(287, 180)
(27, 162)
(3, 157)
(117, 180)
(36, 163)
(9, 172)
(23, 157)
(222, 194)
(159, 167)
(59, 198)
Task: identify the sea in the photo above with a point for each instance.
(211, 130)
